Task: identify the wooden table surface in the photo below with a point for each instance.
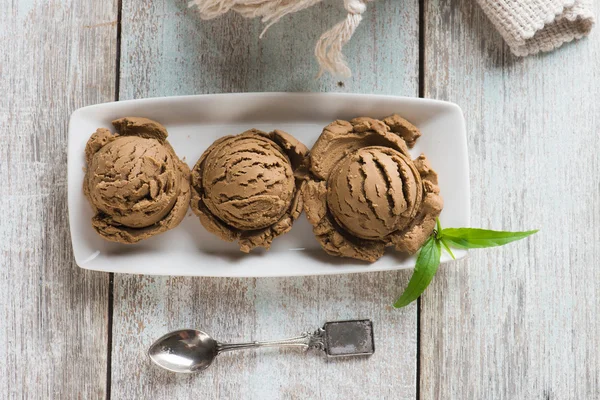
(518, 322)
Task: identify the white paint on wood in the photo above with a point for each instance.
(168, 50)
(519, 322)
(56, 56)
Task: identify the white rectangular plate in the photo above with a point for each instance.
(194, 122)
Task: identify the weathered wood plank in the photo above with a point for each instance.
(168, 50)
(56, 56)
(518, 322)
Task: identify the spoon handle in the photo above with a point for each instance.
(306, 340)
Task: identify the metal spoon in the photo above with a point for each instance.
(190, 350)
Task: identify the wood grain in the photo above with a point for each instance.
(168, 50)
(56, 56)
(518, 322)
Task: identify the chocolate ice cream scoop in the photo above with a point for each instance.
(374, 191)
(366, 193)
(246, 187)
(248, 181)
(134, 181)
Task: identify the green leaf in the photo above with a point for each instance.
(472, 238)
(447, 248)
(427, 264)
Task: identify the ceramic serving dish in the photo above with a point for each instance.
(194, 122)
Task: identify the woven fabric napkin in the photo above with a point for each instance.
(531, 26)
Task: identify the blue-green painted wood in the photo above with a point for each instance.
(167, 50)
(521, 321)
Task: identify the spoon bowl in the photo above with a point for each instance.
(186, 351)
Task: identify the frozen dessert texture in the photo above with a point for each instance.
(134, 181)
(365, 192)
(247, 187)
(248, 182)
(379, 183)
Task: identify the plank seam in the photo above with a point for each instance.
(422, 95)
(111, 279)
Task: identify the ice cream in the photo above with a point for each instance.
(247, 187)
(366, 193)
(134, 181)
(381, 184)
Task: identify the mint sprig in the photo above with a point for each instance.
(428, 259)
(427, 264)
